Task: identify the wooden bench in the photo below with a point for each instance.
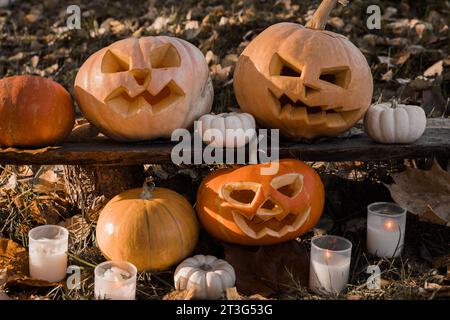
(435, 142)
(106, 167)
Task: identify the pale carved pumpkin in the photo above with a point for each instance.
(227, 129)
(153, 228)
(205, 276)
(305, 81)
(34, 112)
(243, 206)
(395, 123)
(141, 89)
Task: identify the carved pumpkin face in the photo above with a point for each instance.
(308, 83)
(141, 89)
(242, 206)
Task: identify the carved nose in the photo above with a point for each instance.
(270, 209)
(142, 76)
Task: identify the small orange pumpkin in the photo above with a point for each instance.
(307, 82)
(245, 207)
(34, 112)
(151, 228)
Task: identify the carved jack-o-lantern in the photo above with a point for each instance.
(245, 207)
(141, 89)
(303, 80)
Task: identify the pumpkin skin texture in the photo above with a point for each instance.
(392, 123)
(34, 112)
(153, 233)
(306, 82)
(232, 127)
(206, 276)
(243, 206)
(143, 89)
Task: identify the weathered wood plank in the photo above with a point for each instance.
(435, 142)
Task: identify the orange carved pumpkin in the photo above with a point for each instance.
(34, 112)
(243, 206)
(305, 81)
(142, 89)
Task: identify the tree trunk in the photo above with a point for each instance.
(86, 185)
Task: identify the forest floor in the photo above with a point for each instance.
(409, 58)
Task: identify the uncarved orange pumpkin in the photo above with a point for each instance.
(243, 206)
(34, 112)
(144, 88)
(151, 229)
(305, 81)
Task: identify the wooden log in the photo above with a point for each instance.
(86, 184)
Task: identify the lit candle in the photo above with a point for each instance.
(385, 229)
(330, 264)
(48, 252)
(115, 280)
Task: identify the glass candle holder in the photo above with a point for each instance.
(386, 223)
(115, 280)
(330, 264)
(48, 252)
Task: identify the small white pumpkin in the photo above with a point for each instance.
(207, 276)
(395, 123)
(228, 130)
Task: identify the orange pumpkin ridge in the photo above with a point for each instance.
(305, 81)
(242, 206)
(34, 112)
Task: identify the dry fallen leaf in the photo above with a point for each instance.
(437, 290)
(83, 132)
(78, 228)
(14, 266)
(179, 295)
(425, 193)
(219, 73)
(48, 181)
(435, 70)
(233, 294)
(268, 269)
(29, 151)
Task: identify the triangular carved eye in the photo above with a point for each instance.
(165, 56)
(240, 193)
(339, 76)
(114, 62)
(290, 185)
(280, 67)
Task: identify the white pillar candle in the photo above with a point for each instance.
(48, 252)
(385, 229)
(115, 280)
(330, 264)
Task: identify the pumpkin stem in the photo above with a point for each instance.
(148, 187)
(320, 17)
(394, 104)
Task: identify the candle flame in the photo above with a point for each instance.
(327, 253)
(389, 224)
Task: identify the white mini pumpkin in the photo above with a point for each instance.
(395, 123)
(207, 276)
(228, 130)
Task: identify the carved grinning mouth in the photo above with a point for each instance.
(257, 228)
(299, 110)
(120, 101)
